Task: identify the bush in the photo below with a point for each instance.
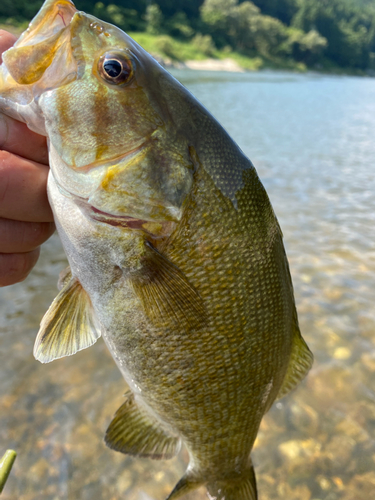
(165, 45)
(204, 43)
(126, 19)
(154, 19)
(179, 26)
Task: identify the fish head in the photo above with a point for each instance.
(103, 103)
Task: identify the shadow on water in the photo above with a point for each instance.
(311, 140)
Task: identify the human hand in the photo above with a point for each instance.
(26, 219)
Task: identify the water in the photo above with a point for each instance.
(311, 140)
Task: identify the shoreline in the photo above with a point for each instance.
(231, 66)
(227, 64)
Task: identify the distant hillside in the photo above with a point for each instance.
(314, 33)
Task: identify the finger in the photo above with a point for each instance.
(19, 237)
(15, 267)
(23, 193)
(6, 41)
(17, 138)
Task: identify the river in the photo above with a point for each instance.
(311, 138)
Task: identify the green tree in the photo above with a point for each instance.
(280, 9)
(179, 26)
(243, 26)
(204, 43)
(126, 19)
(306, 47)
(346, 26)
(154, 19)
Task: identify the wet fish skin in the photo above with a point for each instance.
(176, 256)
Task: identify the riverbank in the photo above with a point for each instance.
(200, 55)
(173, 53)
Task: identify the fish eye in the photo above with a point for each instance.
(116, 68)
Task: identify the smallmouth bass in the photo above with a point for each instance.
(176, 257)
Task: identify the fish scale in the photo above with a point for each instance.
(176, 256)
(228, 325)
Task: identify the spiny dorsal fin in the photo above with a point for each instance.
(69, 325)
(301, 360)
(167, 295)
(134, 432)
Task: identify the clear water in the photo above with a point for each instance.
(311, 139)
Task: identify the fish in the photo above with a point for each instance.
(176, 257)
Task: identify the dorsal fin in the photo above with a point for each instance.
(301, 360)
(69, 325)
(134, 432)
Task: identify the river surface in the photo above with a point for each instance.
(311, 139)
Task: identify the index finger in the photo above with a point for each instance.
(6, 41)
(15, 136)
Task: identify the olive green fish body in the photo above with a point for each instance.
(176, 257)
(221, 376)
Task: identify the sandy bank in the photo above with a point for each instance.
(215, 65)
(205, 65)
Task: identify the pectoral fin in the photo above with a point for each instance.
(134, 432)
(301, 360)
(167, 294)
(69, 325)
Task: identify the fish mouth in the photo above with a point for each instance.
(41, 56)
(154, 229)
(53, 17)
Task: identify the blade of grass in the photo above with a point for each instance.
(6, 464)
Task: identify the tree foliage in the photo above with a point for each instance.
(339, 32)
(244, 27)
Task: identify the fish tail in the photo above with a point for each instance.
(187, 483)
(239, 487)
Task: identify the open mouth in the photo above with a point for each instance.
(52, 18)
(43, 46)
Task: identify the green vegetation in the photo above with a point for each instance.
(337, 35)
(171, 49)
